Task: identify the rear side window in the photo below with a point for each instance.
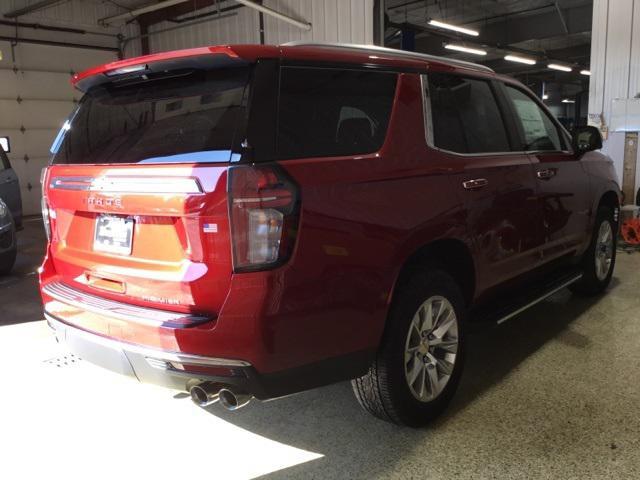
(538, 130)
(465, 117)
(192, 116)
(331, 112)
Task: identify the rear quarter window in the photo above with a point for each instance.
(333, 112)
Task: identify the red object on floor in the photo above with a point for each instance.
(631, 231)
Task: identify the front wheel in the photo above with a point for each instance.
(418, 367)
(600, 258)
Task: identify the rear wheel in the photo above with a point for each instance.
(600, 258)
(419, 364)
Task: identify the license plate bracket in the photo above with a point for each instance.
(113, 234)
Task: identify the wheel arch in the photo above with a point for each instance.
(609, 199)
(452, 255)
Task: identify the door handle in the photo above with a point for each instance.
(545, 174)
(475, 183)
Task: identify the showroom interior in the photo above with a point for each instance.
(551, 393)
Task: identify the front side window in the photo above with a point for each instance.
(538, 130)
(465, 117)
(333, 112)
(190, 116)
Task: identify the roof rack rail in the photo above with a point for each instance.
(391, 51)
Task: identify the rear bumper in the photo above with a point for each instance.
(148, 365)
(162, 367)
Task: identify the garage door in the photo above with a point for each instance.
(35, 99)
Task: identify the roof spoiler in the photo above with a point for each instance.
(203, 58)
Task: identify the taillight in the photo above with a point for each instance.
(263, 206)
(46, 217)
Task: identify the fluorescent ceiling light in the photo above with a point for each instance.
(562, 68)
(545, 97)
(585, 72)
(448, 26)
(515, 58)
(460, 48)
(566, 100)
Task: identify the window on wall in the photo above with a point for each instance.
(5, 144)
(538, 130)
(465, 117)
(331, 112)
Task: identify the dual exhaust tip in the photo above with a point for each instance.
(208, 393)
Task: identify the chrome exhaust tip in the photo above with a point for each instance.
(204, 394)
(233, 401)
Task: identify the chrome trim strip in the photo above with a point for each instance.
(143, 185)
(169, 356)
(390, 51)
(538, 300)
(122, 311)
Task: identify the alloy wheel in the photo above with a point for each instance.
(431, 348)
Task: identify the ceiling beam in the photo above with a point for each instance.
(34, 7)
(545, 24)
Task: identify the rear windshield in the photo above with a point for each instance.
(191, 117)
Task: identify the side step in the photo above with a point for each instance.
(529, 299)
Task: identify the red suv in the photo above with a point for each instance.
(253, 221)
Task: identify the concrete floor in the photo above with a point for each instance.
(554, 393)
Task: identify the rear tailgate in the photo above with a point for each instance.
(180, 256)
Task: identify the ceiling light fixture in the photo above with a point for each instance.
(585, 72)
(515, 58)
(545, 97)
(562, 68)
(566, 100)
(455, 28)
(460, 48)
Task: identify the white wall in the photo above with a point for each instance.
(615, 66)
(39, 75)
(348, 21)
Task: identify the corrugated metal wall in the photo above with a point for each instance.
(615, 67)
(78, 14)
(349, 21)
(240, 27)
(345, 21)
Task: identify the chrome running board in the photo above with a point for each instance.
(537, 300)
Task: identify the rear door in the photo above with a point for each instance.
(10, 187)
(137, 189)
(562, 183)
(497, 186)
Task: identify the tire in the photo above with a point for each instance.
(385, 390)
(599, 260)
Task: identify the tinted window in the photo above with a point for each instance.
(327, 112)
(193, 116)
(538, 130)
(464, 115)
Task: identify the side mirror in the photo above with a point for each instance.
(586, 139)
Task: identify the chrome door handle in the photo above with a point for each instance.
(545, 174)
(475, 183)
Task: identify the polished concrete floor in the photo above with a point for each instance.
(554, 393)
